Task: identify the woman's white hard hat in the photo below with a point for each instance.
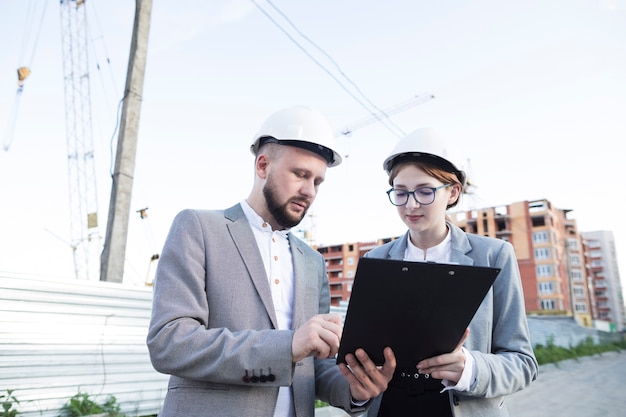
(299, 126)
(423, 144)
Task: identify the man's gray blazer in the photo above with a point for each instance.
(499, 339)
(213, 323)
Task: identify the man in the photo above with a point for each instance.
(240, 312)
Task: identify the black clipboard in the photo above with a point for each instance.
(420, 309)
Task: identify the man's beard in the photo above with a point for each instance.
(279, 211)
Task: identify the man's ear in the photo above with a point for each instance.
(261, 165)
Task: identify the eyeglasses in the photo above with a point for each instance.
(423, 195)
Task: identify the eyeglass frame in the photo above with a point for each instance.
(409, 193)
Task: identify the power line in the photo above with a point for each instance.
(378, 113)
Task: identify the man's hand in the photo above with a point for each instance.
(365, 378)
(319, 336)
(446, 366)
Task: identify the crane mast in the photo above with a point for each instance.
(85, 236)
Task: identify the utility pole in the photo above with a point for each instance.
(114, 253)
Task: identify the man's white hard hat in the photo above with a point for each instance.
(299, 126)
(427, 145)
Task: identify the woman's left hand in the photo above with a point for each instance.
(447, 366)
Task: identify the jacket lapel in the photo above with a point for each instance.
(244, 240)
(300, 282)
(460, 246)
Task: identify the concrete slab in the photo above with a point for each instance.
(592, 386)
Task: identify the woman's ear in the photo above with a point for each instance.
(455, 193)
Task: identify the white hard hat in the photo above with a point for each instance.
(299, 126)
(427, 145)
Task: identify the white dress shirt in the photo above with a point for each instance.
(441, 254)
(276, 255)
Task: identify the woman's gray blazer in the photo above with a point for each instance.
(213, 321)
(499, 339)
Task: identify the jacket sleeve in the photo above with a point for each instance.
(507, 364)
(208, 322)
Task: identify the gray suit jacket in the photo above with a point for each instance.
(213, 320)
(499, 339)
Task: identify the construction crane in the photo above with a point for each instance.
(85, 235)
(307, 231)
(86, 238)
(386, 114)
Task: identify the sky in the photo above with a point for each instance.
(531, 96)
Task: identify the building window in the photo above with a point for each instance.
(572, 244)
(538, 221)
(546, 288)
(540, 237)
(542, 253)
(596, 263)
(548, 305)
(576, 275)
(544, 270)
(350, 260)
(580, 308)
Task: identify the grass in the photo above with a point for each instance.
(81, 403)
(554, 354)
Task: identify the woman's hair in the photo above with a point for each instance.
(431, 169)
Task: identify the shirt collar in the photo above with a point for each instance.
(439, 253)
(257, 221)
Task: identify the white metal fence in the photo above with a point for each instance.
(59, 337)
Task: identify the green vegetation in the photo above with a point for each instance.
(8, 401)
(81, 405)
(554, 354)
(320, 403)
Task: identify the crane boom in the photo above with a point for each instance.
(385, 114)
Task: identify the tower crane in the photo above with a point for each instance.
(85, 236)
(385, 114)
(308, 231)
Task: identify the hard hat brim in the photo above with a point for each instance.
(394, 160)
(332, 158)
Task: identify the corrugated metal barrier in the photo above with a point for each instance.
(59, 337)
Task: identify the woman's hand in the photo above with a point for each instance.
(447, 366)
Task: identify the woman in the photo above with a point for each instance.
(495, 357)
